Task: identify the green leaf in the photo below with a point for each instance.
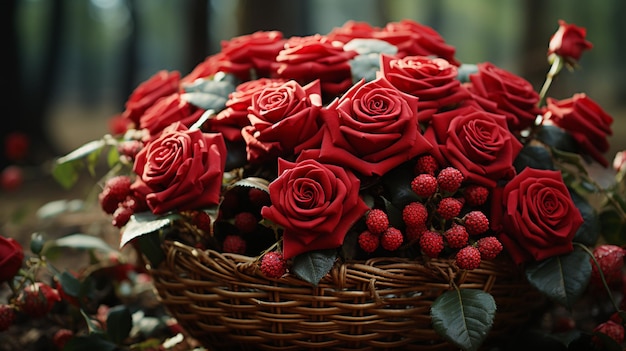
(83, 151)
(465, 71)
(71, 285)
(91, 342)
(590, 229)
(144, 223)
(67, 173)
(91, 326)
(119, 323)
(113, 157)
(464, 317)
(78, 241)
(608, 343)
(312, 266)
(557, 138)
(562, 278)
(150, 246)
(534, 157)
(613, 226)
(399, 189)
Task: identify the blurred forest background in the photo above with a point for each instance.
(71, 64)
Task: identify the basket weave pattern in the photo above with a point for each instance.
(384, 303)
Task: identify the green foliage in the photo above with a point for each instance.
(613, 226)
(534, 157)
(212, 93)
(76, 241)
(464, 317)
(557, 138)
(589, 231)
(312, 266)
(119, 323)
(145, 223)
(67, 169)
(563, 278)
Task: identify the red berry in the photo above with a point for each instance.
(611, 260)
(431, 243)
(129, 148)
(426, 164)
(376, 221)
(476, 222)
(611, 329)
(273, 265)
(61, 337)
(415, 214)
(391, 239)
(7, 317)
(234, 244)
(475, 195)
(414, 233)
(202, 221)
(121, 216)
(489, 247)
(259, 197)
(456, 237)
(38, 299)
(115, 191)
(424, 185)
(449, 179)
(468, 258)
(368, 241)
(11, 178)
(449, 207)
(245, 222)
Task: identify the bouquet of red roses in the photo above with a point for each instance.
(365, 142)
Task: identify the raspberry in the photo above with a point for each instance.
(456, 237)
(476, 195)
(415, 214)
(611, 260)
(431, 243)
(115, 190)
(377, 221)
(449, 179)
(414, 233)
(476, 222)
(234, 244)
(201, 220)
(129, 148)
(468, 258)
(489, 247)
(611, 329)
(391, 239)
(61, 337)
(11, 178)
(121, 216)
(259, 197)
(245, 222)
(424, 185)
(426, 164)
(273, 265)
(449, 207)
(368, 241)
(38, 299)
(7, 317)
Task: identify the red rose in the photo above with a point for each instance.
(161, 84)
(281, 118)
(352, 30)
(371, 129)
(415, 39)
(499, 91)
(234, 117)
(535, 216)
(168, 110)
(207, 68)
(433, 81)
(585, 120)
(256, 51)
(310, 58)
(316, 204)
(569, 42)
(11, 257)
(181, 169)
(476, 142)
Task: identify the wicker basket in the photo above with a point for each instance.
(382, 304)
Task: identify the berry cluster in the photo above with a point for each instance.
(118, 199)
(445, 217)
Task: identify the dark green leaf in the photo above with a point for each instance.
(613, 226)
(36, 243)
(534, 157)
(557, 138)
(394, 214)
(465, 71)
(113, 157)
(78, 241)
(561, 278)
(83, 151)
(236, 156)
(71, 284)
(253, 182)
(590, 229)
(464, 317)
(150, 246)
(91, 326)
(397, 183)
(91, 342)
(206, 101)
(608, 343)
(119, 323)
(57, 207)
(144, 223)
(312, 266)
